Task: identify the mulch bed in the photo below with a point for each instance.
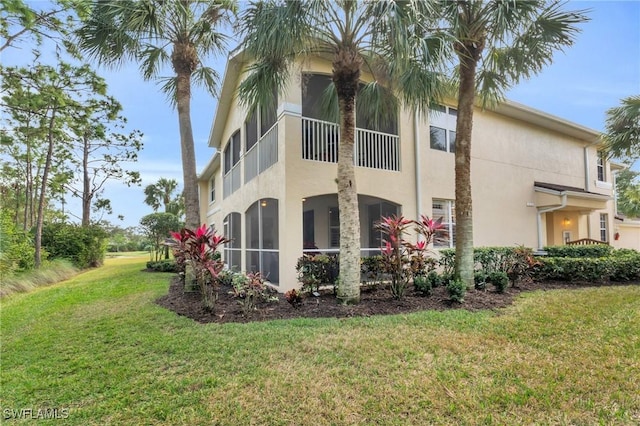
(374, 301)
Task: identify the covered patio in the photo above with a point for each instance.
(566, 214)
(321, 223)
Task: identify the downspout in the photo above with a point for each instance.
(416, 140)
(563, 204)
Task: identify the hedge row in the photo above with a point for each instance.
(595, 263)
(617, 267)
(596, 250)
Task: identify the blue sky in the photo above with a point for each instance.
(582, 83)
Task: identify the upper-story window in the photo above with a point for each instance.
(212, 190)
(231, 181)
(442, 129)
(260, 121)
(232, 152)
(601, 165)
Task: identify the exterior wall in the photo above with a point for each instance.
(629, 234)
(508, 156)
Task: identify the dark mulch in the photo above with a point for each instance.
(374, 301)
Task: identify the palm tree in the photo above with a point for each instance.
(622, 129)
(496, 44)
(160, 194)
(357, 36)
(156, 33)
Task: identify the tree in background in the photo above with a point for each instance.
(622, 140)
(181, 33)
(158, 227)
(53, 20)
(628, 193)
(622, 129)
(162, 193)
(495, 44)
(50, 94)
(100, 151)
(358, 37)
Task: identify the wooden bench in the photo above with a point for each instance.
(585, 242)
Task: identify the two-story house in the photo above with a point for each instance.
(271, 185)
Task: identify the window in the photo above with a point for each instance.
(376, 212)
(446, 210)
(602, 176)
(231, 168)
(233, 249)
(442, 132)
(251, 131)
(262, 238)
(604, 220)
(334, 227)
(261, 139)
(212, 190)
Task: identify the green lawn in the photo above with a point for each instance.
(98, 346)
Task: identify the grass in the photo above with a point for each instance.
(98, 346)
(50, 273)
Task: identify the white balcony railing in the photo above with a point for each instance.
(376, 150)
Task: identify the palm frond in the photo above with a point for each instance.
(328, 105)
(104, 37)
(208, 78)
(169, 86)
(622, 129)
(377, 107)
(152, 58)
(261, 81)
(532, 48)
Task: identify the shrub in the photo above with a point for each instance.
(574, 269)
(249, 289)
(164, 265)
(402, 259)
(447, 261)
(372, 270)
(84, 246)
(16, 247)
(499, 279)
(316, 270)
(456, 289)
(595, 250)
(623, 266)
(294, 297)
(198, 248)
(480, 279)
(423, 284)
(396, 253)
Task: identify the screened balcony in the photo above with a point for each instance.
(375, 150)
(376, 145)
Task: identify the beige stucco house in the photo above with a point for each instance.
(537, 179)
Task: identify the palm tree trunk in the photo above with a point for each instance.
(464, 126)
(346, 75)
(183, 101)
